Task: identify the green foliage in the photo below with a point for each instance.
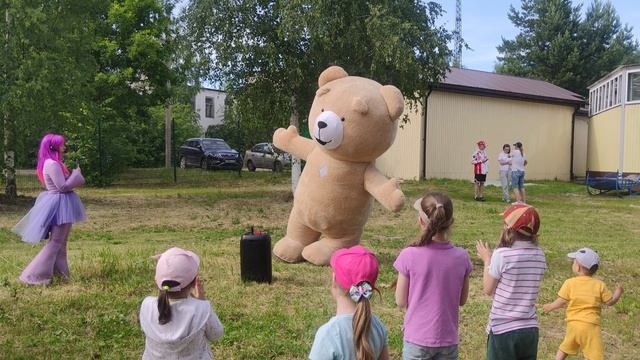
(94, 70)
(269, 53)
(557, 44)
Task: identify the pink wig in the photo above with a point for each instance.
(50, 147)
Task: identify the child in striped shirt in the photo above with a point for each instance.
(512, 275)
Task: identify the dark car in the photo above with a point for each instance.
(209, 153)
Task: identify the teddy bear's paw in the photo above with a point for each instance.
(396, 200)
(288, 250)
(282, 137)
(318, 253)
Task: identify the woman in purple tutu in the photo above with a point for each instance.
(55, 210)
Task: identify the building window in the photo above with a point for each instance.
(208, 107)
(633, 91)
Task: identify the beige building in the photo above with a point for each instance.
(470, 105)
(614, 126)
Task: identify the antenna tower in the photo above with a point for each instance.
(457, 36)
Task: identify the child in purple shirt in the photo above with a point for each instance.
(433, 282)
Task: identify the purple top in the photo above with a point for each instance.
(54, 177)
(436, 274)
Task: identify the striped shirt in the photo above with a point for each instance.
(519, 271)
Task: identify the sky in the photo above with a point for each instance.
(485, 23)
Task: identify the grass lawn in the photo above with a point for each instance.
(95, 314)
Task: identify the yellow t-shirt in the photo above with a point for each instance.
(585, 296)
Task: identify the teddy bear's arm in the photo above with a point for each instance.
(386, 191)
(288, 140)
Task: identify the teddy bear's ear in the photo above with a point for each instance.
(330, 74)
(394, 99)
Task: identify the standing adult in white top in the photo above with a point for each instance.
(518, 162)
(505, 171)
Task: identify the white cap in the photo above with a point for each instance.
(585, 257)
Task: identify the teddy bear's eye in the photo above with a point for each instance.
(321, 110)
(342, 119)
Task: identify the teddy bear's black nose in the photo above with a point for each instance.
(322, 124)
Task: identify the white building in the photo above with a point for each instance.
(209, 104)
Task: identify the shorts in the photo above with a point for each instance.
(417, 352)
(517, 179)
(481, 178)
(583, 336)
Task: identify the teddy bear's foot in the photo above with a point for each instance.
(319, 252)
(288, 250)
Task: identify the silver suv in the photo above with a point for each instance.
(267, 156)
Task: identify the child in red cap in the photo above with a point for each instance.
(480, 163)
(354, 333)
(586, 297)
(512, 275)
(178, 324)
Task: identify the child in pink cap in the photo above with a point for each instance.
(354, 333)
(433, 282)
(180, 322)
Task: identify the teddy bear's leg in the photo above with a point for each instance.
(319, 252)
(289, 248)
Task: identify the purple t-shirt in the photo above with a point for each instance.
(436, 274)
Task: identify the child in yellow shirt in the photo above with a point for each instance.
(585, 296)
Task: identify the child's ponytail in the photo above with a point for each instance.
(164, 307)
(439, 210)
(361, 327)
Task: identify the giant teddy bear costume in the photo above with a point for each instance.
(353, 120)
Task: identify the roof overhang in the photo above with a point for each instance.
(507, 94)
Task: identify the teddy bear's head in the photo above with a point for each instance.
(354, 118)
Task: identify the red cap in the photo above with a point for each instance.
(354, 265)
(482, 142)
(522, 218)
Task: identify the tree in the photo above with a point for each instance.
(92, 70)
(276, 49)
(44, 73)
(555, 44)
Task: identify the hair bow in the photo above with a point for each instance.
(360, 290)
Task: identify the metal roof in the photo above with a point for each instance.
(618, 69)
(507, 86)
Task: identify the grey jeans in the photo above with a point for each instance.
(416, 352)
(505, 180)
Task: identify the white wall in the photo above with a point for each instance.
(218, 107)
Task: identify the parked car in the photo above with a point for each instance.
(267, 156)
(209, 153)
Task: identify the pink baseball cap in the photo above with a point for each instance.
(177, 265)
(354, 265)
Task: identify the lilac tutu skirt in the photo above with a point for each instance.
(51, 208)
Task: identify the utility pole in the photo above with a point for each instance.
(296, 166)
(9, 131)
(457, 36)
(168, 116)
